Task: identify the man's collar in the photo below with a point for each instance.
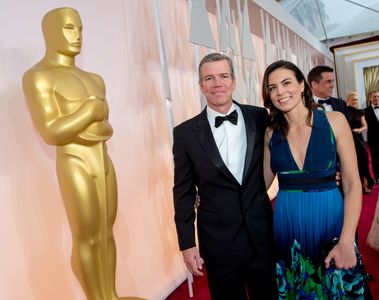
(317, 98)
(212, 113)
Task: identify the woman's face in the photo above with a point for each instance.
(353, 101)
(284, 89)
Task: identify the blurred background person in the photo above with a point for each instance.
(372, 118)
(322, 82)
(358, 125)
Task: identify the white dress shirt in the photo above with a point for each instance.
(230, 140)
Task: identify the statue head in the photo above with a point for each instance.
(62, 30)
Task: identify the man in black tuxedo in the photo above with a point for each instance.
(321, 81)
(219, 155)
(372, 119)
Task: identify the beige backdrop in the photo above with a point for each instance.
(120, 44)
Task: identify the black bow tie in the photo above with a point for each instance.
(232, 118)
(376, 107)
(327, 101)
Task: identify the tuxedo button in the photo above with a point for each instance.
(246, 213)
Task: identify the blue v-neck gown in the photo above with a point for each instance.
(308, 211)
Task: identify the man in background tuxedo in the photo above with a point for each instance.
(372, 119)
(321, 79)
(219, 155)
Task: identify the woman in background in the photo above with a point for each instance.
(301, 147)
(357, 122)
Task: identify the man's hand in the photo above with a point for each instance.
(193, 261)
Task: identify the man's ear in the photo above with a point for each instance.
(234, 84)
(313, 84)
(201, 86)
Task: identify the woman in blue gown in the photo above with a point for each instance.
(301, 147)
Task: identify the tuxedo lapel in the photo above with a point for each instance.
(373, 115)
(335, 104)
(369, 112)
(205, 136)
(250, 140)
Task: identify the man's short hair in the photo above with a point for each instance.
(372, 92)
(216, 57)
(316, 73)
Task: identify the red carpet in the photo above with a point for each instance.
(370, 256)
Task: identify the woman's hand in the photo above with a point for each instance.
(343, 255)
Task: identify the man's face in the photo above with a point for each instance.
(374, 99)
(324, 88)
(217, 85)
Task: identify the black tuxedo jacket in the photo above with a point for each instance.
(339, 105)
(231, 216)
(372, 126)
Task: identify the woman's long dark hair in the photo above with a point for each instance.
(276, 117)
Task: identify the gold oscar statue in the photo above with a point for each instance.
(69, 109)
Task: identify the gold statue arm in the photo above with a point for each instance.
(56, 127)
(101, 84)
